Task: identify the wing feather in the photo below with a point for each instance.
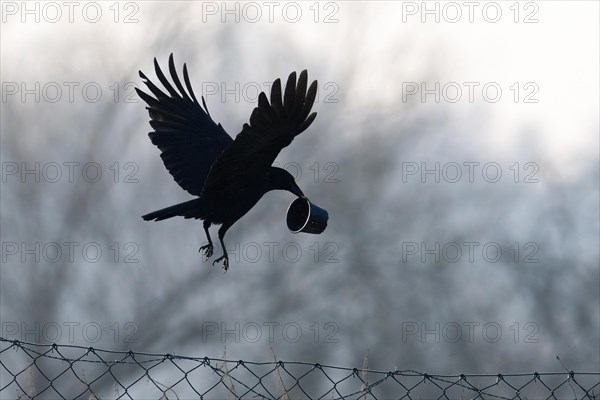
(272, 127)
(189, 140)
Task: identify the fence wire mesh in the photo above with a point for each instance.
(49, 371)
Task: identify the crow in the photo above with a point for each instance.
(228, 176)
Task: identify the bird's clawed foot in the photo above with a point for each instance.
(225, 259)
(208, 250)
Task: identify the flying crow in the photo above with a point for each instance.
(228, 176)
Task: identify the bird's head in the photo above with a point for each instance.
(280, 179)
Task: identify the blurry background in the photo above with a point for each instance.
(371, 283)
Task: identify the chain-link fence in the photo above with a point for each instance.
(74, 372)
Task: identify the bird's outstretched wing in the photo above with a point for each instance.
(272, 127)
(190, 141)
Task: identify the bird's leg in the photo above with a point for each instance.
(224, 257)
(208, 248)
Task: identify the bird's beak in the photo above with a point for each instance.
(296, 190)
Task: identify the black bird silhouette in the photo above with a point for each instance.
(228, 176)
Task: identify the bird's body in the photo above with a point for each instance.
(231, 202)
(228, 176)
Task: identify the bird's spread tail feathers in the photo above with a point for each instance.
(188, 209)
